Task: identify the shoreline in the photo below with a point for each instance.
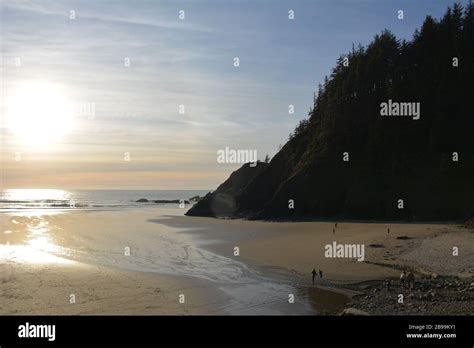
(35, 246)
(175, 253)
(417, 248)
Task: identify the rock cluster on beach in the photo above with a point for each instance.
(441, 296)
(162, 201)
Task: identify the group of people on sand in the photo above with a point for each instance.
(407, 281)
(314, 273)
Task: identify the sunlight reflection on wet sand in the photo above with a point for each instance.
(28, 254)
(36, 245)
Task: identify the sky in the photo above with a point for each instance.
(173, 62)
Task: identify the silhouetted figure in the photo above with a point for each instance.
(314, 274)
(411, 280)
(334, 231)
(389, 284)
(388, 230)
(320, 274)
(402, 279)
(335, 225)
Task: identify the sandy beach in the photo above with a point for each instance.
(120, 261)
(140, 262)
(298, 247)
(47, 289)
(444, 278)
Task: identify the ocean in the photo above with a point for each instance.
(21, 199)
(108, 228)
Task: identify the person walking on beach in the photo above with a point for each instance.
(402, 279)
(320, 274)
(314, 274)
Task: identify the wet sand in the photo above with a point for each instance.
(47, 257)
(44, 289)
(298, 247)
(444, 278)
(122, 262)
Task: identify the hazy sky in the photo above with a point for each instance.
(176, 62)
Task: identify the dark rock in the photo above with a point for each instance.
(196, 198)
(223, 201)
(168, 201)
(353, 311)
(142, 200)
(469, 223)
(404, 237)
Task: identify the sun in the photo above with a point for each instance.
(39, 114)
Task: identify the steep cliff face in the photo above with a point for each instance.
(348, 160)
(223, 202)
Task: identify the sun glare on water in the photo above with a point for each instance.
(39, 114)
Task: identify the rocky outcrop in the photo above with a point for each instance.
(223, 202)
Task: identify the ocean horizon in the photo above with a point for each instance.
(21, 199)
